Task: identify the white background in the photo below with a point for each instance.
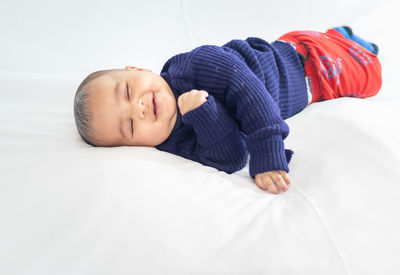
(79, 37)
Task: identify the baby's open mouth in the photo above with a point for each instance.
(154, 106)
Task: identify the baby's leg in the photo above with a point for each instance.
(336, 66)
(359, 70)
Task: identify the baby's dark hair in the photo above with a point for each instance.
(82, 114)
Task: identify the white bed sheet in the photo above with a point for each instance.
(69, 208)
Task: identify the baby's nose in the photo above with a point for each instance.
(139, 109)
(143, 108)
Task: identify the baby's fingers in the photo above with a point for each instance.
(285, 176)
(272, 187)
(278, 179)
(264, 182)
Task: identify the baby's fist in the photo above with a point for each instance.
(268, 180)
(191, 100)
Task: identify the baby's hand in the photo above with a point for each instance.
(265, 181)
(191, 100)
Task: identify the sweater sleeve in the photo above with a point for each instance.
(218, 136)
(257, 113)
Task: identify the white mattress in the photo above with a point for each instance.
(69, 208)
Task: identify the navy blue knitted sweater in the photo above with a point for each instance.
(253, 86)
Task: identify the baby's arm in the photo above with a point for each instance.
(218, 139)
(195, 98)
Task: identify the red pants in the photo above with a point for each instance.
(335, 66)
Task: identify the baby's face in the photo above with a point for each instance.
(132, 107)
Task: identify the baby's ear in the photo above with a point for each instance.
(129, 68)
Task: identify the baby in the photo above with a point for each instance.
(217, 104)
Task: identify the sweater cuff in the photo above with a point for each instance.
(210, 121)
(268, 155)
